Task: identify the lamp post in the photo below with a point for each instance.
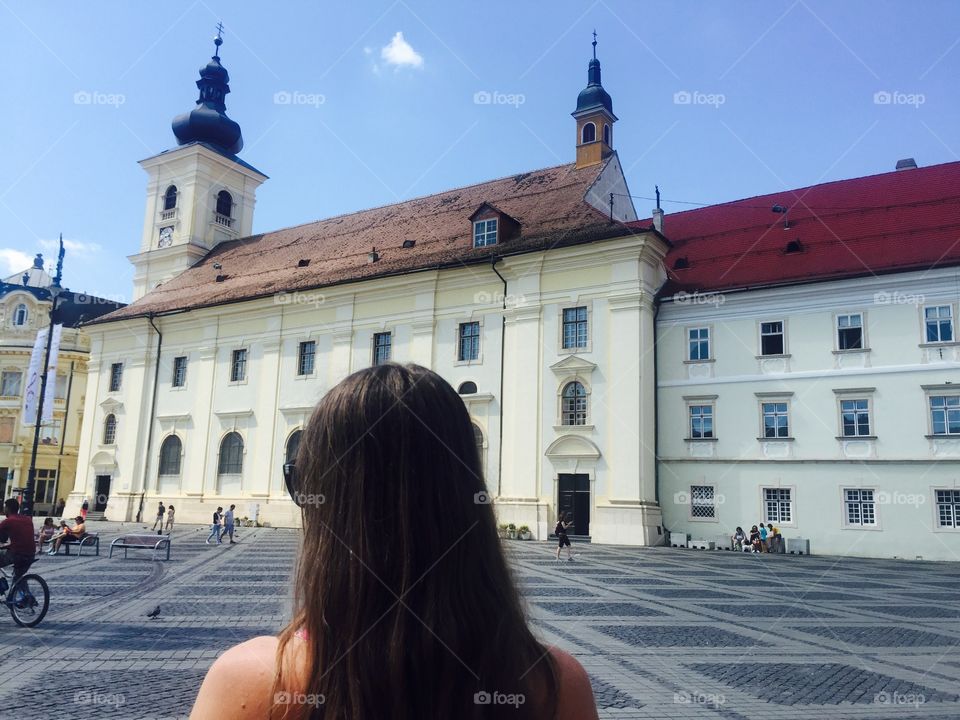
(55, 291)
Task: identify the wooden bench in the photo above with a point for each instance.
(88, 540)
(142, 542)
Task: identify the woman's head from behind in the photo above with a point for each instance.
(402, 587)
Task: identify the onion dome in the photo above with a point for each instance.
(208, 121)
(593, 95)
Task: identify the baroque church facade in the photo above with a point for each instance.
(531, 294)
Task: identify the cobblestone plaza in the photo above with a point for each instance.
(662, 632)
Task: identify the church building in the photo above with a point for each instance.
(533, 295)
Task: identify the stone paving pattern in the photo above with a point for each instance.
(663, 633)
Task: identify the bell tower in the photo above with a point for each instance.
(200, 193)
(594, 117)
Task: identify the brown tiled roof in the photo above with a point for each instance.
(549, 204)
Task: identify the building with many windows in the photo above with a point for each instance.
(530, 294)
(808, 367)
(25, 300)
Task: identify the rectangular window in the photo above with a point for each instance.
(855, 417)
(702, 502)
(116, 376)
(939, 323)
(468, 341)
(50, 433)
(771, 338)
(698, 344)
(776, 421)
(46, 484)
(948, 508)
(60, 391)
(850, 332)
(7, 425)
(778, 505)
(861, 507)
(575, 328)
(180, 371)
(305, 357)
(701, 421)
(945, 414)
(382, 345)
(10, 383)
(485, 233)
(238, 366)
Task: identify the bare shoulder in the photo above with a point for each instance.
(238, 684)
(575, 695)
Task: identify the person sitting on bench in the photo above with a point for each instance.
(69, 534)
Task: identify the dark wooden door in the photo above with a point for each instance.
(103, 493)
(574, 498)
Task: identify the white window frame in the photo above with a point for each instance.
(864, 346)
(846, 503)
(246, 366)
(300, 356)
(848, 394)
(119, 387)
(11, 371)
(588, 417)
(692, 496)
(955, 509)
(26, 315)
(923, 324)
(705, 401)
(173, 378)
(775, 398)
(561, 350)
(937, 391)
(482, 235)
(456, 349)
(760, 335)
(793, 505)
(373, 347)
(689, 342)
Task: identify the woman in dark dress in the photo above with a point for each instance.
(561, 531)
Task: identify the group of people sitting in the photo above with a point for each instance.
(56, 536)
(762, 539)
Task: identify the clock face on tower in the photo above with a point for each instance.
(166, 236)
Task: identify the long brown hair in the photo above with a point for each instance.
(403, 596)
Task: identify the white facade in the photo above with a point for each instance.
(897, 463)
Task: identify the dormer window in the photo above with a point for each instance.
(484, 233)
(20, 315)
(170, 198)
(589, 133)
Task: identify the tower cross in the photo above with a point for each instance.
(594, 44)
(218, 40)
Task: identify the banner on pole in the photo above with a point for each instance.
(31, 393)
(51, 388)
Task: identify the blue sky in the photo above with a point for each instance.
(716, 101)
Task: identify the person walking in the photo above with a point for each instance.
(458, 642)
(161, 511)
(58, 510)
(228, 524)
(215, 528)
(170, 512)
(84, 507)
(560, 530)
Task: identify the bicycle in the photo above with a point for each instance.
(27, 596)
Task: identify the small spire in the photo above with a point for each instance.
(218, 40)
(594, 44)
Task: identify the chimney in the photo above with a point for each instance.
(906, 164)
(658, 219)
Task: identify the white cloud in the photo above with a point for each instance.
(14, 261)
(77, 247)
(399, 53)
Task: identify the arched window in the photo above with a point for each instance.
(589, 133)
(170, 198)
(224, 204)
(20, 315)
(574, 404)
(293, 446)
(467, 388)
(170, 453)
(231, 455)
(606, 133)
(110, 429)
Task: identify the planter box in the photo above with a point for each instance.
(676, 539)
(702, 545)
(798, 546)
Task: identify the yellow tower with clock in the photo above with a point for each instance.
(199, 193)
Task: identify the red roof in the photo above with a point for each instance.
(894, 222)
(548, 204)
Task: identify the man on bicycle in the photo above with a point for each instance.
(17, 531)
